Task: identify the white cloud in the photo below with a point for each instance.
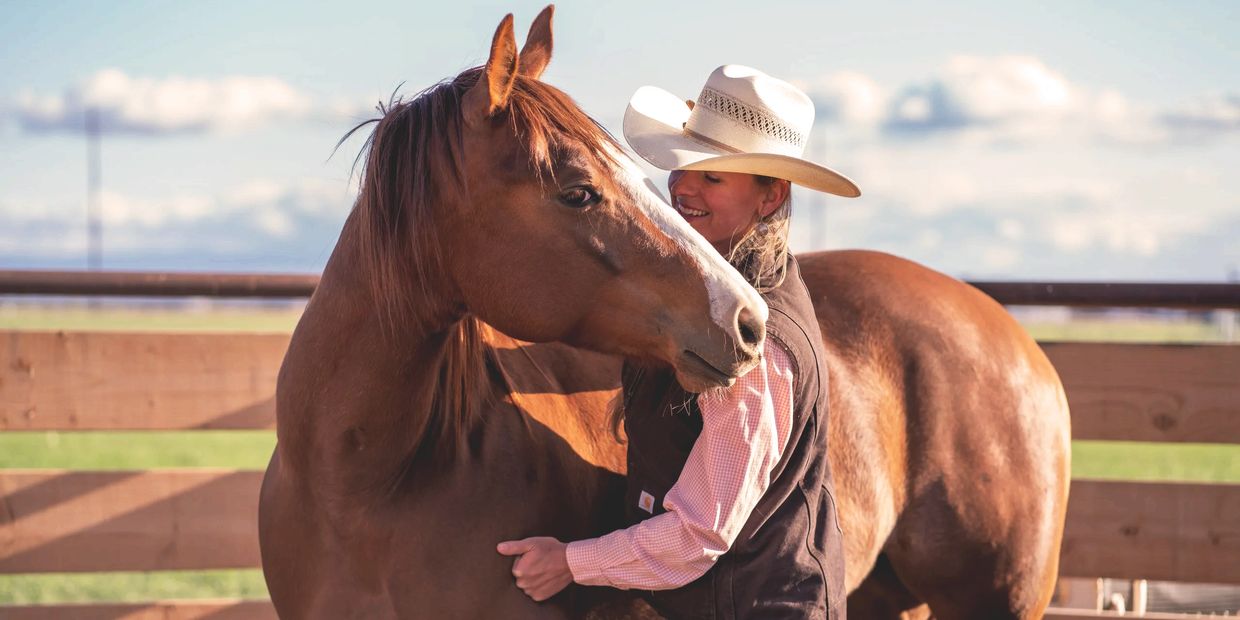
(255, 217)
(1064, 238)
(1006, 99)
(848, 97)
(1207, 113)
(274, 221)
(1035, 210)
(1011, 229)
(151, 106)
(984, 91)
(1119, 232)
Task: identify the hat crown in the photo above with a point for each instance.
(744, 121)
(747, 111)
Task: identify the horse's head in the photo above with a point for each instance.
(547, 230)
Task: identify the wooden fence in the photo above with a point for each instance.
(163, 519)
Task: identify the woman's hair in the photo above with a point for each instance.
(761, 256)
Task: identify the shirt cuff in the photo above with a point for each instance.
(589, 559)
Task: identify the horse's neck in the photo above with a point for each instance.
(354, 392)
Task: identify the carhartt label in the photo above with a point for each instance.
(646, 502)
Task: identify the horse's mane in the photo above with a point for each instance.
(414, 159)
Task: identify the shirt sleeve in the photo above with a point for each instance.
(745, 429)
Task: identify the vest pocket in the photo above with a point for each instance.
(833, 562)
(835, 512)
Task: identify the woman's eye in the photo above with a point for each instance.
(580, 197)
(712, 178)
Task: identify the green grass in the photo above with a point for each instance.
(130, 586)
(1128, 330)
(78, 317)
(136, 449)
(250, 450)
(282, 319)
(1156, 462)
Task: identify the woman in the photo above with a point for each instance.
(729, 492)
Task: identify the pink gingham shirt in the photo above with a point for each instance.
(744, 433)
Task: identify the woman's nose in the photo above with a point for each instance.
(678, 183)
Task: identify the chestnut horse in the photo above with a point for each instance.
(949, 439)
(413, 436)
(401, 459)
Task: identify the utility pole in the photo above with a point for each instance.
(94, 192)
(820, 198)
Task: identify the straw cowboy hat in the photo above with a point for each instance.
(744, 121)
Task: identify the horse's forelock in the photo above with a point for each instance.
(545, 119)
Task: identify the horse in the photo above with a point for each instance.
(402, 459)
(949, 439)
(490, 201)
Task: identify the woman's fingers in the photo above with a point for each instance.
(540, 570)
(540, 590)
(515, 547)
(542, 586)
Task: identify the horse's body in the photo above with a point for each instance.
(948, 439)
(410, 443)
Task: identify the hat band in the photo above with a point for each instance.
(711, 141)
(749, 116)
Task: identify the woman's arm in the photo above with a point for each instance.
(745, 430)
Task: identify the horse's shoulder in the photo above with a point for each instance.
(867, 301)
(878, 282)
(868, 269)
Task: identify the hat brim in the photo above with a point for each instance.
(654, 127)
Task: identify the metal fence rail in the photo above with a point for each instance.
(153, 284)
(156, 284)
(1194, 295)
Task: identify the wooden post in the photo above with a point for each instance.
(1140, 588)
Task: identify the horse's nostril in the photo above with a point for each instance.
(751, 329)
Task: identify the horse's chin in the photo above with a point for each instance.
(698, 385)
(697, 375)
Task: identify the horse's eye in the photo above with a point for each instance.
(580, 197)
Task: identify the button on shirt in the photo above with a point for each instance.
(745, 430)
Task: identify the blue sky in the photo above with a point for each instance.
(1066, 140)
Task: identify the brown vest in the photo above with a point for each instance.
(788, 561)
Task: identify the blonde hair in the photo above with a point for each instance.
(761, 256)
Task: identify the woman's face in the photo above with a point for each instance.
(723, 206)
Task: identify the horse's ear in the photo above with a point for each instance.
(490, 94)
(537, 50)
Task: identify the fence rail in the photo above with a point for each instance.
(1199, 295)
(157, 284)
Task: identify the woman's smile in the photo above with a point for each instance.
(688, 212)
(722, 206)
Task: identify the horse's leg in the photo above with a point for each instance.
(882, 596)
(989, 557)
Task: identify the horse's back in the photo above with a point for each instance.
(950, 435)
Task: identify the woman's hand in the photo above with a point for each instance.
(541, 568)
